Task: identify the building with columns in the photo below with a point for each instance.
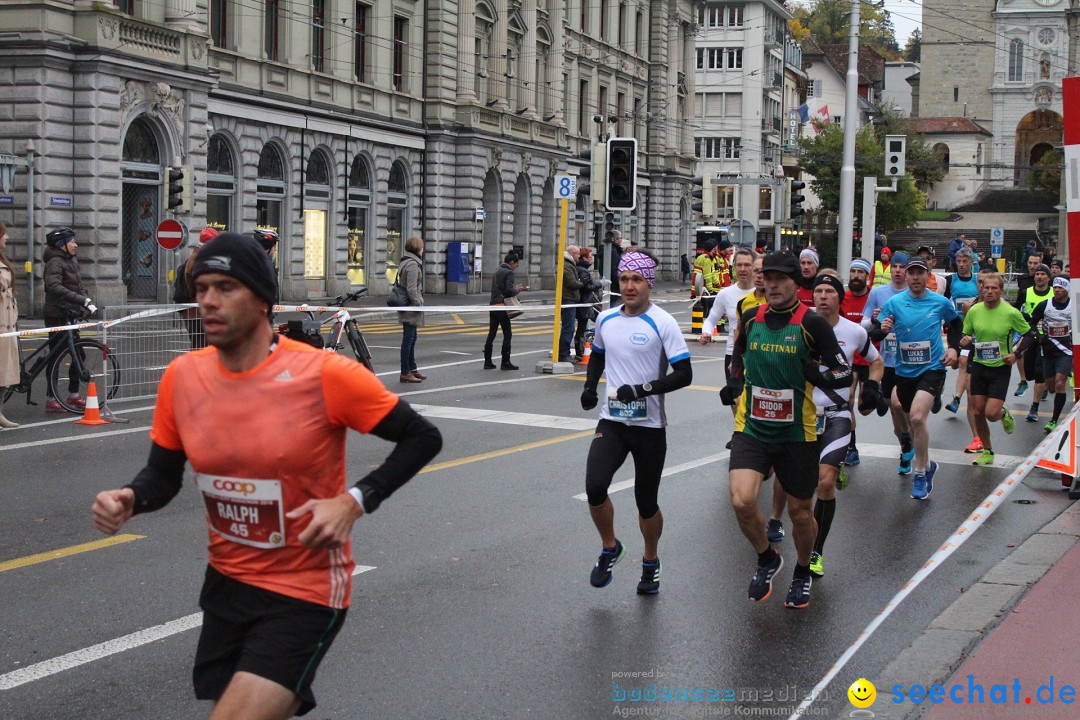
(346, 126)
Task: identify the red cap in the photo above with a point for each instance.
(207, 235)
(886, 252)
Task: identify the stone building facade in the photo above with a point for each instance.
(346, 126)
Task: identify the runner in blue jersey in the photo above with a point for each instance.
(916, 317)
(887, 345)
(962, 287)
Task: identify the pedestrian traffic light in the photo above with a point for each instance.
(621, 174)
(895, 155)
(706, 196)
(795, 198)
(609, 227)
(178, 187)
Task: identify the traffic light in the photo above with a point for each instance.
(179, 189)
(795, 198)
(591, 177)
(706, 196)
(895, 155)
(621, 174)
(609, 227)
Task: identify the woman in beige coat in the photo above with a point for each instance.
(9, 313)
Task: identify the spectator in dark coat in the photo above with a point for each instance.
(411, 277)
(590, 292)
(571, 291)
(503, 286)
(66, 300)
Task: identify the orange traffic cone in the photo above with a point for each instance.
(585, 358)
(91, 414)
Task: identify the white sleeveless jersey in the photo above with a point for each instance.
(853, 340)
(1058, 325)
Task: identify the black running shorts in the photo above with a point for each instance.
(795, 463)
(991, 382)
(1056, 365)
(931, 381)
(888, 382)
(611, 444)
(1033, 367)
(249, 629)
(833, 443)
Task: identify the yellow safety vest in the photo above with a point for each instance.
(882, 274)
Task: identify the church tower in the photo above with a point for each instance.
(957, 61)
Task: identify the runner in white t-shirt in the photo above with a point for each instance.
(635, 343)
(726, 305)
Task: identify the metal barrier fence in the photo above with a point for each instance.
(143, 341)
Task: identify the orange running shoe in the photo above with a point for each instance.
(975, 446)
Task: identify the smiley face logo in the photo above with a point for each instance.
(862, 693)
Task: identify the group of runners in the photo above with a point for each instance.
(804, 353)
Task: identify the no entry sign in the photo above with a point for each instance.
(171, 234)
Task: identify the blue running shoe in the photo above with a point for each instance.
(601, 572)
(923, 484)
(761, 584)
(774, 530)
(905, 462)
(1021, 388)
(852, 457)
(937, 405)
(954, 405)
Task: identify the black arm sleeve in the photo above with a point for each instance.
(877, 334)
(1037, 313)
(740, 346)
(824, 343)
(417, 442)
(680, 376)
(955, 333)
(1026, 340)
(594, 370)
(159, 482)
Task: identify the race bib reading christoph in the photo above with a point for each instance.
(246, 511)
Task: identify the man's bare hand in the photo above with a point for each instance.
(705, 338)
(331, 520)
(113, 508)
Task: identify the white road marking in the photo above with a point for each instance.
(506, 418)
(45, 668)
(455, 352)
(74, 438)
(673, 470)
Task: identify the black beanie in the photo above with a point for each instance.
(241, 257)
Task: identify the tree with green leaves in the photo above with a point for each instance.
(823, 154)
(913, 47)
(1045, 175)
(828, 21)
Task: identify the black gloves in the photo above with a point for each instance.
(728, 395)
(629, 393)
(870, 397)
(588, 398)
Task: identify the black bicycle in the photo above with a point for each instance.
(73, 361)
(341, 323)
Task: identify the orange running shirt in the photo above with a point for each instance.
(262, 443)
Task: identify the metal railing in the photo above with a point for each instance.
(143, 341)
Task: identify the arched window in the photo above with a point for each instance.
(270, 189)
(359, 212)
(1016, 60)
(515, 75)
(942, 152)
(220, 184)
(318, 169)
(397, 228)
(140, 144)
(485, 31)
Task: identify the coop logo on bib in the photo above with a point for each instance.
(246, 511)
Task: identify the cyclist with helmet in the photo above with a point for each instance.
(268, 239)
(65, 300)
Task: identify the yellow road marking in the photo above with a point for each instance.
(457, 319)
(507, 451)
(67, 552)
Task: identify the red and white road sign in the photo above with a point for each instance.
(171, 234)
(1071, 107)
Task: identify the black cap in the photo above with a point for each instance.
(1057, 263)
(917, 262)
(241, 257)
(831, 282)
(1043, 267)
(782, 262)
(928, 249)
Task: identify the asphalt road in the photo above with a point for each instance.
(477, 602)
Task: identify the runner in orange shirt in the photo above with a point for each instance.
(263, 421)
